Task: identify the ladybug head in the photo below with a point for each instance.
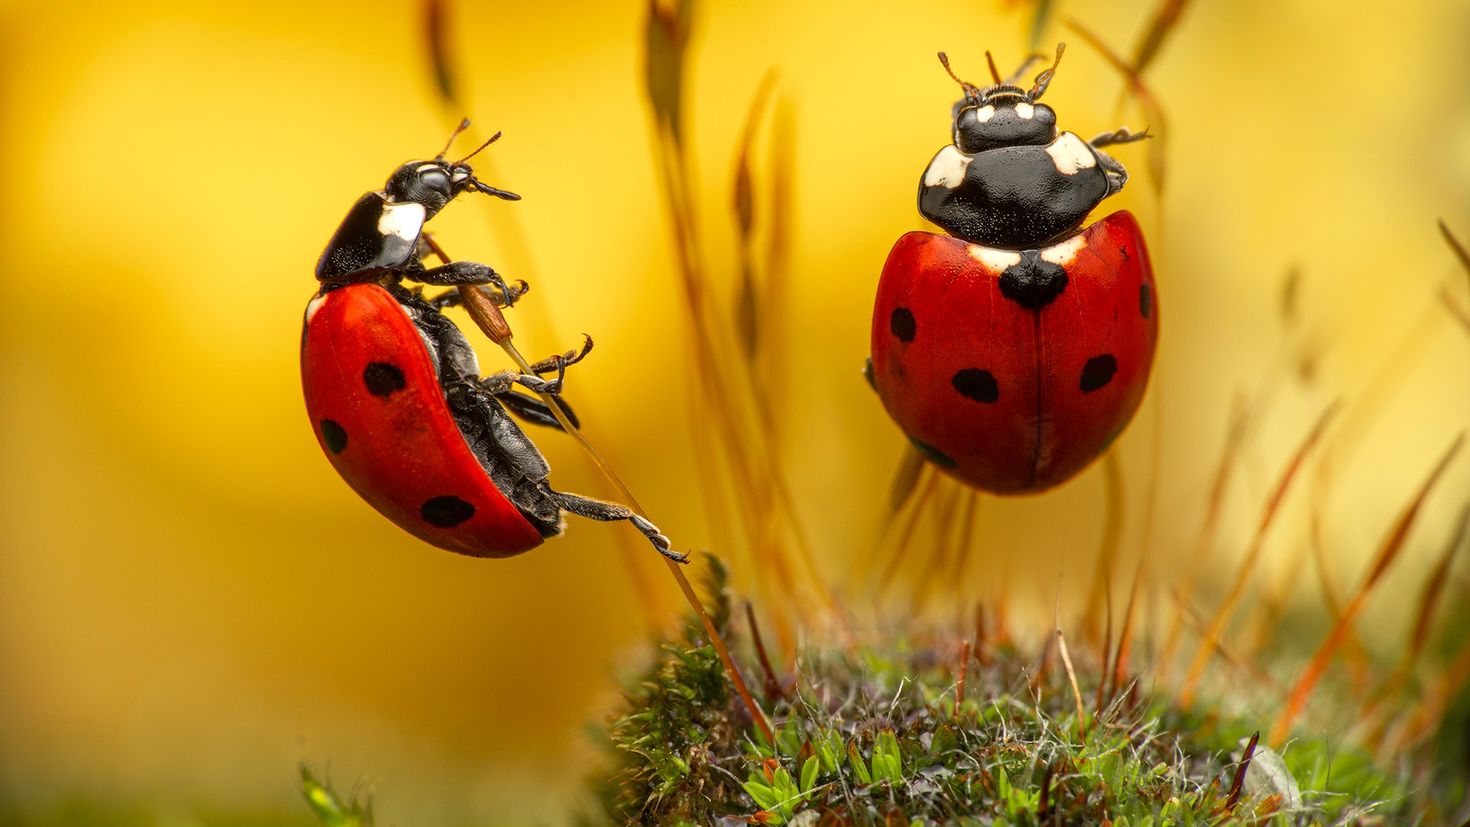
(1003, 114)
(436, 182)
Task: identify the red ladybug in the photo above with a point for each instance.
(1014, 350)
(395, 394)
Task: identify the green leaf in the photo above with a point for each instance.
(765, 797)
(887, 763)
(809, 773)
(858, 767)
(828, 745)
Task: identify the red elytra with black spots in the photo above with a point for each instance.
(381, 417)
(1015, 349)
(1009, 399)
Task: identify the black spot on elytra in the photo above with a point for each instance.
(976, 384)
(1033, 282)
(1145, 299)
(446, 512)
(1098, 372)
(903, 324)
(383, 378)
(932, 454)
(334, 436)
(1124, 251)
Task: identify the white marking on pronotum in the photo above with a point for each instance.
(426, 167)
(1062, 254)
(314, 305)
(1071, 154)
(1024, 111)
(994, 260)
(947, 169)
(984, 113)
(459, 176)
(403, 220)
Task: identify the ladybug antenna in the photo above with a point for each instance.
(463, 125)
(480, 186)
(994, 73)
(1044, 79)
(971, 92)
(493, 139)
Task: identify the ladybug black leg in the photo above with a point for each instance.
(516, 289)
(452, 298)
(529, 408)
(606, 511)
(536, 412)
(560, 362)
(1116, 173)
(1122, 135)
(458, 273)
(498, 383)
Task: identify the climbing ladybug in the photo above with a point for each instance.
(395, 394)
(1013, 350)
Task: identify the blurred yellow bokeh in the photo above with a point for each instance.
(191, 601)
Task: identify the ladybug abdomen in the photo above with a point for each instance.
(1015, 390)
(1013, 196)
(379, 412)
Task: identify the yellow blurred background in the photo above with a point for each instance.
(191, 601)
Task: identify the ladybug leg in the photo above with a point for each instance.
(536, 412)
(608, 512)
(530, 408)
(559, 363)
(500, 382)
(457, 273)
(1117, 175)
(453, 298)
(1118, 136)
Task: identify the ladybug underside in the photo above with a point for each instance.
(1010, 369)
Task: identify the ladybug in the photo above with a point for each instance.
(1014, 348)
(394, 390)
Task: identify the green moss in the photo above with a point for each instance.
(874, 736)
